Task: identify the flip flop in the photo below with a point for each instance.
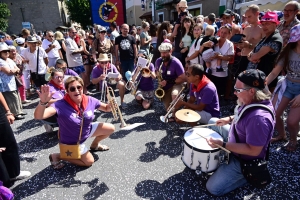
(100, 147)
(56, 165)
(278, 139)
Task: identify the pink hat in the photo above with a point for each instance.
(270, 17)
(295, 34)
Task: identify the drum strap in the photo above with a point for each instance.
(237, 139)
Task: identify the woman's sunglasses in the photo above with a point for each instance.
(73, 89)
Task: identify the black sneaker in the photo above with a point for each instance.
(220, 69)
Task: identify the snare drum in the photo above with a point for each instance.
(197, 154)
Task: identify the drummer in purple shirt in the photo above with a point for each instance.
(254, 130)
(60, 63)
(70, 111)
(145, 89)
(172, 73)
(203, 95)
(98, 75)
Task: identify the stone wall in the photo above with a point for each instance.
(43, 14)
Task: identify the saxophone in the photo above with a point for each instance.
(159, 92)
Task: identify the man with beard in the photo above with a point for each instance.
(250, 134)
(172, 73)
(289, 14)
(126, 44)
(253, 33)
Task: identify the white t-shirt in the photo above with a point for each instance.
(192, 51)
(225, 50)
(74, 60)
(54, 52)
(32, 57)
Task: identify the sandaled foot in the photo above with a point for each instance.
(55, 164)
(171, 119)
(278, 138)
(100, 147)
(291, 146)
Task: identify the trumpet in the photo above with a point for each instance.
(172, 104)
(114, 106)
(159, 92)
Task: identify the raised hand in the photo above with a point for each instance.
(45, 94)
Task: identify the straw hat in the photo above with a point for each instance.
(103, 57)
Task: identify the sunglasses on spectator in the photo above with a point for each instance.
(51, 35)
(5, 51)
(103, 32)
(58, 77)
(104, 62)
(74, 32)
(73, 89)
(239, 90)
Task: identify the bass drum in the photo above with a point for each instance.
(197, 154)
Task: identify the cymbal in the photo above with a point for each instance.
(187, 115)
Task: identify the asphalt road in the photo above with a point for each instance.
(144, 163)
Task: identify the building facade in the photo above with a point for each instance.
(165, 10)
(42, 14)
(138, 10)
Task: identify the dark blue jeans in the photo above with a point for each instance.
(126, 65)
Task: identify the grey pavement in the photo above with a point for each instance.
(144, 163)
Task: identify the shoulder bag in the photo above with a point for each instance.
(71, 151)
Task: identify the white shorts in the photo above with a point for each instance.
(205, 116)
(83, 148)
(207, 54)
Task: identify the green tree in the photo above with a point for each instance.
(80, 11)
(4, 14)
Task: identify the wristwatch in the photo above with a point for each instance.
(224, 144)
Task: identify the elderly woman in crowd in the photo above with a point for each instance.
(289, 89)
(70, 111)
(19, 62)
(226, 52)
(57, 89)
(8, 86)
(263, 56)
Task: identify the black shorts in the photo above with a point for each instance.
(38, 79)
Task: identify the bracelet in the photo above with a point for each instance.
(230, 119)
(7, 114)
(224, 144)
(44, 103)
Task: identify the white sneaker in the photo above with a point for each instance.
(48, 128)
(22, 175)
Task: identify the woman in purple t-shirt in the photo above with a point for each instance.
(70, 112)
(145, 89)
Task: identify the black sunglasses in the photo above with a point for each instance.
(73, 89)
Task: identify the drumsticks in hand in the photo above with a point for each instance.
(215, 144)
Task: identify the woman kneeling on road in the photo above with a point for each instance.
(70, 111)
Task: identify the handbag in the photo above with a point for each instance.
(35, 75)
(255, 171)
(18, 80)
(68, 151)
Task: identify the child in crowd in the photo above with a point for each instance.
(181, 8)
(208, 52)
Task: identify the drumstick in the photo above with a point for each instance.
(216, 144)
(204, 125)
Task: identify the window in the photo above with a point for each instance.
(195, 12)
(131, 14)
(160, 16)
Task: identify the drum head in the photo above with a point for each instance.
(193, 139)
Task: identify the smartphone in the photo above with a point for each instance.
(237, 38)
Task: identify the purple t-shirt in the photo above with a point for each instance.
(98, 71)
(209, 96)
(146, 84)
(255, 128)
(170, 72)
(70, 72)
(59, 94)
(69, 122)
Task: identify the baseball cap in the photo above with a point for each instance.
(20, 40)
(227, 12)
(253, 77)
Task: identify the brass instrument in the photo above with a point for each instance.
(159, 92)
(114, 106)
(172, 104)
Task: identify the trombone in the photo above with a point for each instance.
(114, 105)
(179, 96)
(104, 82)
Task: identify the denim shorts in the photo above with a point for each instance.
(79, 69)
(292, 89)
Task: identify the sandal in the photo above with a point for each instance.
(55, 164)
(171, 119)
(100, 147)
(278, 139)
(291, 146)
